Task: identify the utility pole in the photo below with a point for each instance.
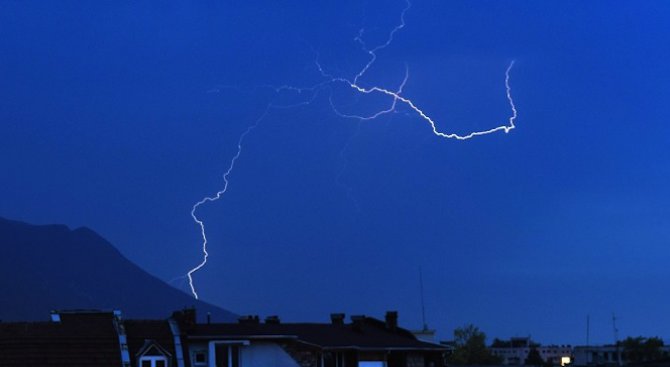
(588, 328)
(589, 354)
(423, 305)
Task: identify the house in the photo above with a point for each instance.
(516, 350)
(99, 338)
(616, 355)
(84, 338)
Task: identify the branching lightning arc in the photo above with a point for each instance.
(356, 85)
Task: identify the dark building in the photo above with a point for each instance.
(96, 338)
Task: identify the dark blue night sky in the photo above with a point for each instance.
(120, 115)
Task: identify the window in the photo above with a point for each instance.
(152, 355)
(413, 360)
(199, 358)
(153, 361)
(371, 364)
(227, 355)
(331, 359)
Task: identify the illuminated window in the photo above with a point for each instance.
(371, 364)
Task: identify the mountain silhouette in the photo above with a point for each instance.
(51, 267)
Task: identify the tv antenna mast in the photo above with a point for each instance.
(423, 304)
(616, 340)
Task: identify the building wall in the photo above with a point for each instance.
(256, 354)
(517, 356)
(601, 355)
(260, 354)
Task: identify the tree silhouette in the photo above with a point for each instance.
(640, 349)
(471, 348)
(534, 358)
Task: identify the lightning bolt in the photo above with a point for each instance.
(218, 195)
(397, 97)
(354, 84)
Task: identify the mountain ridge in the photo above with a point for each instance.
(51, 267)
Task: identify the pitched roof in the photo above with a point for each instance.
(369, 334)
(83, 340)
(89, 338)
(139, 331)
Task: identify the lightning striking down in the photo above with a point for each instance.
(216, 197)
(231, 166)
(356, 85)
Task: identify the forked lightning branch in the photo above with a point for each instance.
(395, 98)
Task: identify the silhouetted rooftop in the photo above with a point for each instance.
(369, 333)
(82, 340)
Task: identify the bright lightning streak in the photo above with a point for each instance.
(357, 87)
(213, 198)
(378, 113)
(219, 194)
(397, 97)
(373, 52)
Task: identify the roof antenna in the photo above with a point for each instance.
(588, 329)
(616, 340)
(423, 305)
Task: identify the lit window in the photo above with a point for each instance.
(371, 364)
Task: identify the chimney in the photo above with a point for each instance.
(391, 320)
(357, 322)
(249, 320)
(337, 318)
(185, 318)
(209, 318)
(273, 320)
